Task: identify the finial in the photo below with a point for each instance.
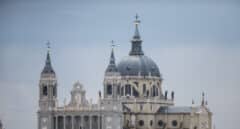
(137, 21)
(48, 45)
(99, 94)
(203, 102)
(172, 95)
(136, 16)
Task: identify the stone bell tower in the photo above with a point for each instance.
(47, 95)
(111, 81)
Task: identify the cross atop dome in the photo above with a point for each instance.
(136, 34)
(137, 21)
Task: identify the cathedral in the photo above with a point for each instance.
(132, 98)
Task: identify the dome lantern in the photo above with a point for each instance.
(136, 41)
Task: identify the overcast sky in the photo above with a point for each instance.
(195, 44)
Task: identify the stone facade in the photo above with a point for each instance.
(132, 99)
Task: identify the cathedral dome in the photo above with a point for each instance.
(134, 65)
(137, 64)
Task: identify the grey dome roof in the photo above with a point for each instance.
(135, 65)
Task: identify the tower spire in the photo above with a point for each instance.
(48, 67)
(112, 58)
(136, 40)
(112, 65)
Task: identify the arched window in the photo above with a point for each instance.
(156, 91)
(45, 90)
(122, 90)
(127, 89)
(135, 92)
(160, 123)
(109, 89)
(118, 89)
(144, 88)
(141, 107)
(141, 123)
(54, 91)
(127, 124)
(174, 123)
(151, 122)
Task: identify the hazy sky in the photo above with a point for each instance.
(195, 44)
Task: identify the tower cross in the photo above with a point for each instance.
(137, 21)
(48, 45)
(136, 16)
